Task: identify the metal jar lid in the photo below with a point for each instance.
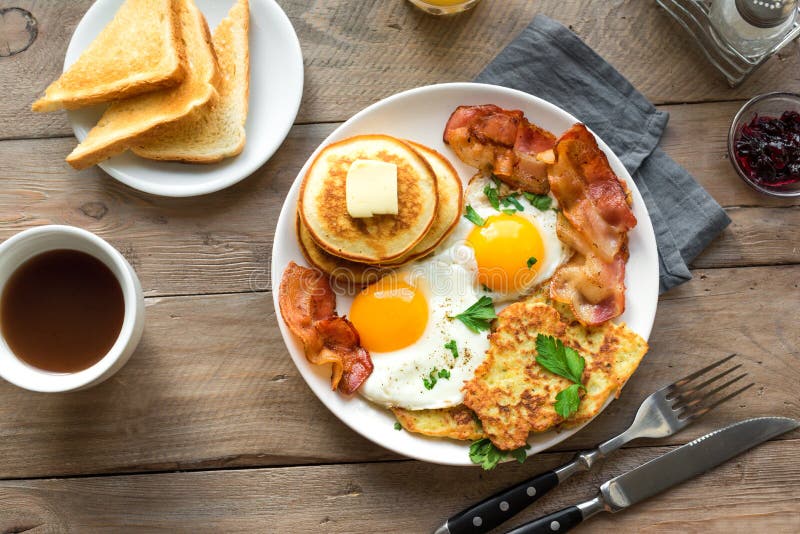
(766, 13)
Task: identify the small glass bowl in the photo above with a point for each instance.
(773, 105)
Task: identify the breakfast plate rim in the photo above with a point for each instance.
(318, 382)
(263, 140)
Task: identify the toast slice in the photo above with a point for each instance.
(211, 134)
(139, 51)
(126, 121)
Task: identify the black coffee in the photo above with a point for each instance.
(61, 311)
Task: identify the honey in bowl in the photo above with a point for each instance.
(61, 311)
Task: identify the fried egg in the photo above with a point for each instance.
(407, 321)
(514, 251)
(421, 354)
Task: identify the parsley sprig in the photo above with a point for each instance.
(568, 400)
(452, 347)
(434, 377)
(540, 202)
(531, 262)
(484, 453)
(563, 361)
(430, 380)
(472, 216)
(511, 200)
(479, 316)
(493, 196)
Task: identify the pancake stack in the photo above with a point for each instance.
(358, 250)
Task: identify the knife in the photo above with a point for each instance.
(657, 475)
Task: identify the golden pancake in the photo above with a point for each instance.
(450, 192)
(381, 238)
(349, 273)
(513, 395)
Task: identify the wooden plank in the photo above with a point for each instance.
(756, 236)
(757, 492)
(697, 138)
(222, 242)
(25, 74)
(211, 379)
(354, 57)
(212, 385)
(345, 48)
(210, 244)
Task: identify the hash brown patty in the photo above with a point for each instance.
(512, 395)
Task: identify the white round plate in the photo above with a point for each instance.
(420, 115)
(276, 86)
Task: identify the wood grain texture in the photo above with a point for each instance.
(211, 244)
(18, 31)
(24, 76)
(212, 385)
(756, 236)
(222, 243)
(408, 48)
(758, 491)
(697, 138)
(355, 56)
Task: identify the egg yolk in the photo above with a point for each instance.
(504, 247)
(389, 315)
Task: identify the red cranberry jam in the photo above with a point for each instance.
(768, 149)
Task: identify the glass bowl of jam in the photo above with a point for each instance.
(764, 144)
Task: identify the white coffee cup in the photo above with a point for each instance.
(17, 250)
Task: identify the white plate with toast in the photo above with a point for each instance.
(420, 115)
(276, 87)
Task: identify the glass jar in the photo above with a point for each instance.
(444, 7)
(753, 27)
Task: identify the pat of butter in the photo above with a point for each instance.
(371, 188)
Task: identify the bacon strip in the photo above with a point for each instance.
(595, 290)
(502, 141)
(595, 220)
(308, 307)
(341, 341)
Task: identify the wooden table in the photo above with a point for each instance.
(210, 427)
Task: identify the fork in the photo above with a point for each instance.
(662, 414)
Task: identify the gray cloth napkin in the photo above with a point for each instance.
(549, 61)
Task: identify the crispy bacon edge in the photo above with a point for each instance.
(308, 307)
(502, 141)
(595, 219)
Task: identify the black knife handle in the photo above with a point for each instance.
(560, 521)
(500, 507)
